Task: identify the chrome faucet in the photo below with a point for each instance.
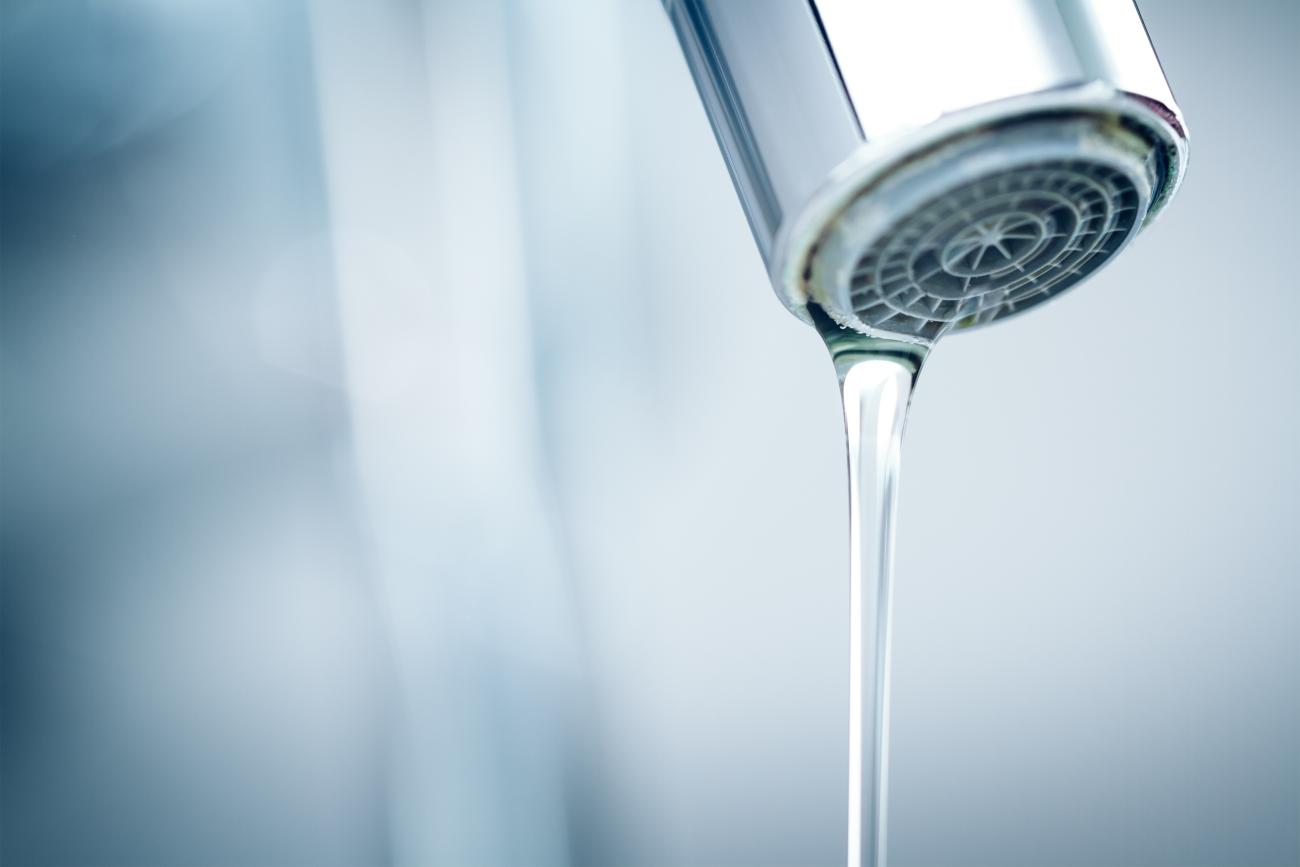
(913, 168)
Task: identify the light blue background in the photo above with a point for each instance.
(405, 461)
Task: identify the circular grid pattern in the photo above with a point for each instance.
(993, 246)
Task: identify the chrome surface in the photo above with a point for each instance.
(813, 101)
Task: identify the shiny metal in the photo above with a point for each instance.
(814, 101)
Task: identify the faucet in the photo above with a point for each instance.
(916, 168)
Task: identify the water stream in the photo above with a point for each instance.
(876, 377)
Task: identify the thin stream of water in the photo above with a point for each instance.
(876, 381)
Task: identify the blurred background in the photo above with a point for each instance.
(405, 462)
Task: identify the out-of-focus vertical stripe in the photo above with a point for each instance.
(420, 165)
